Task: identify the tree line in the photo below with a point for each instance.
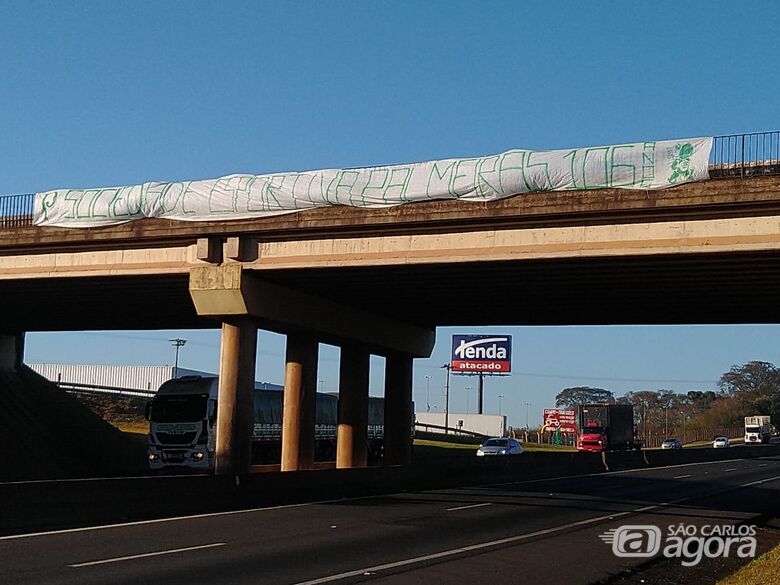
(745, 390)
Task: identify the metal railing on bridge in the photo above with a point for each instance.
(733, 155)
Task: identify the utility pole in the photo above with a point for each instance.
(177, 343)
(666, 422)
(468, 402)
(447, 399)
(428, 394)
(500, 396)
(480, 391)
(527, 405)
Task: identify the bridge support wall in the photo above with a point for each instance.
(11, 350)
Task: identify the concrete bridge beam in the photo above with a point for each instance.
(352, 436)
(227, 290)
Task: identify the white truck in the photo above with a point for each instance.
(758, 429)
(183, 415)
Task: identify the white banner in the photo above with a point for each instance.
(644, 165)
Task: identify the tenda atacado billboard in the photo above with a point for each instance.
(489, 354)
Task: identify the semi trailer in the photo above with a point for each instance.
(183, 415)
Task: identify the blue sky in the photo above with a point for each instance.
(98, 94)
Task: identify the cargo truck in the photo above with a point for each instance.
(183, 415)
(758, 429)
(606, 427)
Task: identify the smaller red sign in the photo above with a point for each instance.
(459, 366)
(563, 421)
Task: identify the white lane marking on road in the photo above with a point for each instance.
(456, 551)
(681, 476)
(521, 537)
(335, 500)
(145, 555)
(732, 469)
(607, 473)
(469, 507)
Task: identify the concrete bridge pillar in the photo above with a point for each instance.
(11, 350)
(352, 437)
(235, 406)
(300, 402)
(398, 409)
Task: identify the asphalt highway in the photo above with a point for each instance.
(540, 530)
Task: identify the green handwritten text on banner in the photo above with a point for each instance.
(644, 165)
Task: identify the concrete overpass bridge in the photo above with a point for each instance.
(380, 280)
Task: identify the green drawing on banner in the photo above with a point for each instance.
(681, 163)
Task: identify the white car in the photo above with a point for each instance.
(720, 443)
(500, 446)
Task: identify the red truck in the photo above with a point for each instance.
(606, 427)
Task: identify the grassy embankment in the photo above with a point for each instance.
(764, 569)
(446, 448)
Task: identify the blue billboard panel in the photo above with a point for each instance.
(490, 354)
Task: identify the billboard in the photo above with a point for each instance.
(487, 354)
(564, 421)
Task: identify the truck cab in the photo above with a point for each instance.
(181, 424)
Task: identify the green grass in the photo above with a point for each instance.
(429, 448)
(546, 447)
(764, 569)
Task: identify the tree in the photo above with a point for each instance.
(755, 386)
(752, 377)
(571, 397)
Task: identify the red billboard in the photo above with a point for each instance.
(563, 421)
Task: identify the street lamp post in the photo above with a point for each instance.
(447, 399)
(468, 402)
(428, 393)
(527, 405)
(500, 396)
(177, 343)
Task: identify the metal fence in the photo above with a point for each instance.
(16, 210)
(734, 155)
(745, 155)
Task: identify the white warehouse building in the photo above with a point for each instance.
(491, 425)
(144, 378)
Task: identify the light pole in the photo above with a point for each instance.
(447, 399)
(177, 343)
(527, 405)
(500, 396)
(428, 394)
(468, 402)
(666, 422)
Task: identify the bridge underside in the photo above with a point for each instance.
(663, 289)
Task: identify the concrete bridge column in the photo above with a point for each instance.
(11, 350)
(300, 402)
(235, 407)
(352, 438)
(398, 409)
